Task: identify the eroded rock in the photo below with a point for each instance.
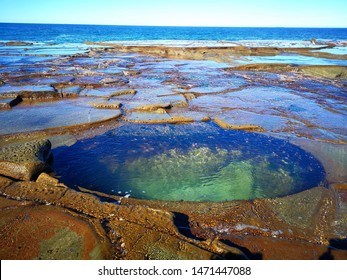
(25, 161)
(155, 108)
(44, 178)
(123, 92)
(18, 43)
(107, 105)
(9, 103)
(50, 233)
(157, 118)
(246, 127)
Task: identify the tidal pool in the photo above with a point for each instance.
(194, 162)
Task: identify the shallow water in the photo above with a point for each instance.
(32, 88)
(340, 50)
(196, 162)
(292, 59)
(45, 115)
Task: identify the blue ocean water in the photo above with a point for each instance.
(61, 33)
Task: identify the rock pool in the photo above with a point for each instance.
(155, 150)
(193, 162)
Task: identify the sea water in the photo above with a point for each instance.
(64, 33)
(195, 162)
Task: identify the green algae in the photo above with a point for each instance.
(64, 245)
(195, 162)
(172, 172)
(232, 182)
(202, 174)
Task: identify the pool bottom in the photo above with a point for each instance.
(194, 162)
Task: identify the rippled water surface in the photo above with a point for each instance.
(66, 33)
(196, 162)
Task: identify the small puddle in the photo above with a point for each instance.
(195, 162)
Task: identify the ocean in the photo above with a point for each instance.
(63, 33)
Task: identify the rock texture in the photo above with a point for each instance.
(44, 219)
(50, 233)
(25, 161)
(246, 127)
(18, 43)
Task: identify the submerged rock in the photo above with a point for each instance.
(25, 161)
(18, 43)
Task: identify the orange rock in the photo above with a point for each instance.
(47, 232)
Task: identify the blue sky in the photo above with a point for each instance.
(272, 13)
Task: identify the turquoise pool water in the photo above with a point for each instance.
(195, 162)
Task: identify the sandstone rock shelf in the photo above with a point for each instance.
(74, 92)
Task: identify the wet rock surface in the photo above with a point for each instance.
(77, 95)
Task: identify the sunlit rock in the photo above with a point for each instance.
(25, 161)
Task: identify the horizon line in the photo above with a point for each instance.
(193, 26)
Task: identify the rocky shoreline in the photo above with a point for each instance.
(57, 101)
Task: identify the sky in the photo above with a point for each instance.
(233, 13)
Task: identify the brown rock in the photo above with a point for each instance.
(281, 249)
(44, 178)
(142, 243)
(5, 106)
(25, 161)
(106, 105)
(156, 108)
(114, 81)
(38, 192)
(206, 119)
(47, 232)
(122, 92)
(246, 127)
(4, 182)
(266, 67)
(171, 120)
(83, 203)
(189, 96)
(18, 43)
(130, 72)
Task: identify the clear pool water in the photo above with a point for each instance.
(194, 162)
